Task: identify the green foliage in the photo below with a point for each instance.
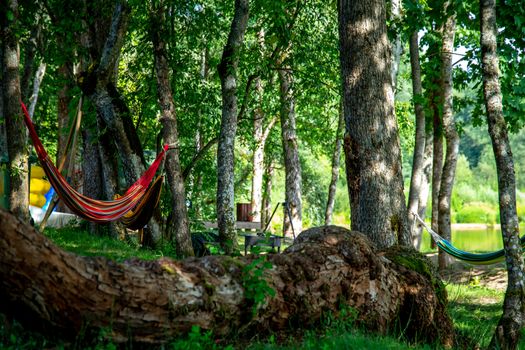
(198, 340)
(256, 288)
(477, 213)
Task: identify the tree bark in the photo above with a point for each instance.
(372, 151)
(98, 84)
(260, 135)
(336, 156)
(4, 157)
(509, 327)
(225, 153)
(15, 128)
(267, 194)
(37, 81)
(437, 155)
(425, 186)
(397, 47)
(63, 120)
(292, 164)
(178, 229)
(419, 145)
(154, 301)
(449, 128)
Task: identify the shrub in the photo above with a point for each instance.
(521, 212)
(477, 213)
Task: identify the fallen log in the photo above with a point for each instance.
(154, 301)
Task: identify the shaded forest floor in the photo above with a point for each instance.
(488, 276)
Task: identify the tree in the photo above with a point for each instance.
(335, 167)
(153, 301)
(449, 126)
(15, 128)
(225, 154)
(509, 327)
(99, 83)
(371, 144)
(420, 140)
(260, 135)
(179, 228)
(292, 165)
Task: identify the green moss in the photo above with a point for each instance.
(415, 261)
(230, 263)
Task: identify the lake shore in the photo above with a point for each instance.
(475, 227)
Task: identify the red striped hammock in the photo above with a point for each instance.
(94, 210)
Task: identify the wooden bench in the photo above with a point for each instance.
(251, 239)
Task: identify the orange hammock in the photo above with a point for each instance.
(130, 207)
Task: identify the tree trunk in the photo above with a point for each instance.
(449, 127)
(15, 128)
(372, 151)
(292, 165)
(425, 186)
(92, 172)
(336, 156)
(39, 76)
(99, 86)
(64, 100)
(260, 135)
(4, 157)
(437, 156)
(419, 147)
(179, 225)
(397, 47)
(154, 301)
(225, 153)
(267, 195)
(509, 327)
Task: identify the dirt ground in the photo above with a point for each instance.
(490, 276)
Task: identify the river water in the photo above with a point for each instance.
(473, 239)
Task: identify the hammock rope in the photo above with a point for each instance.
(101, 211)
(471, 258)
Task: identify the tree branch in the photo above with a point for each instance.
(198, 156)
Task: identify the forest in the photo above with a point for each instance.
(261, 173)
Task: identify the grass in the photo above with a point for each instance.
(475, 311)
(81, 242)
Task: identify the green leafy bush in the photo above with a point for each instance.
(477, 213)
(521, 212)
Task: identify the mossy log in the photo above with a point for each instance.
(153, 301)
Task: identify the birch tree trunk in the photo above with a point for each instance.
(152, 302)
(419, 145)
(336, 156)
(371, 144)
(510, 325)
(426, 181)
(260, 135)
(267, 194)
(449, 128)
(437, 157)
(15, 128)
(397, 47)
(225, 153)
(179, 227)
(292, 164)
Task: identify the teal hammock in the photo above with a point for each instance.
(471, 258)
